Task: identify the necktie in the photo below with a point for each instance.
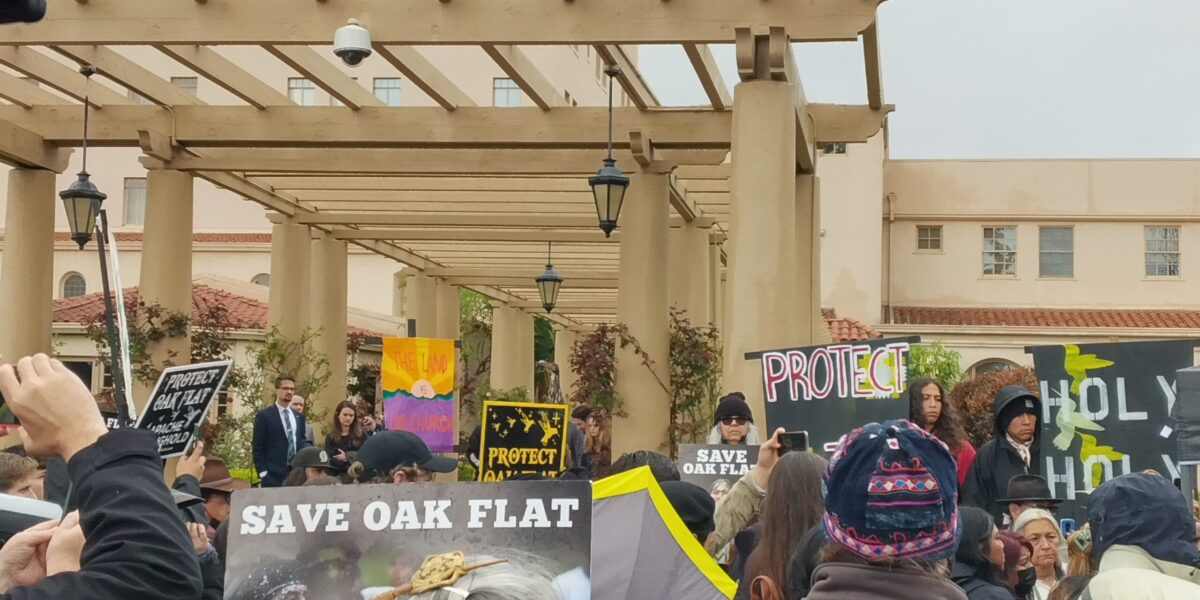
(291, 436)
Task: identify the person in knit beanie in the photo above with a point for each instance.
(891, 517)
(733, 422)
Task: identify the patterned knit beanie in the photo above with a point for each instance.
(890, 493)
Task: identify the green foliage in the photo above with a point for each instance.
(594, 361)
(517, 394)
(543, 350)
(695, 380)
(936, 361)
(247, 474)
(475, 355)
(975, 399)
(362, 378)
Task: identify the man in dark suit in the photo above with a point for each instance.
(278, 435)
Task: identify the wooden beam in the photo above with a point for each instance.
(527, 282)
(385, 127)
(630, 78)
(526, 275)
(424, 75)
(513, 61)
(462, 22)
(435, 184)
(25, 93)
(223, 72)
(448, 199)
(328, 77)
(249, 190)
(680, 202)
(34, 64)
(22, 148)
(129, 74)
(705, 65)
(473, 235)
(870, 44)
(570, 306)
(434, 220)
(847, 123)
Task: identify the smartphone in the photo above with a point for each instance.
(1067, 526)
(793, 440)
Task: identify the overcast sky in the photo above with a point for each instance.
(1007, 79)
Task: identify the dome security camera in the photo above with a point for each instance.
(352, 43)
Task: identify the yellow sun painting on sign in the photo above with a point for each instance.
(418, 389)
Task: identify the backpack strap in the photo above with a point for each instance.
(763, 588)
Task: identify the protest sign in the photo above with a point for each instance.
(418, 389)
(1106, 411)
(519, 437)
(829, 390)
(355, 542)
(112, 419)
(179, 402)
(706, 465)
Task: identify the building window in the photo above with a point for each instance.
(187, 84)
(387, 89)
(135, 201)
(84, 370)
(139, 99)
(1162, 252)
(990, 365)
(929, 237)
(73, 285)
(302, 91)
(505, 93)
(1056, 247)
(224, 404)
(834, 148)
(1000, 251)
(263, 279)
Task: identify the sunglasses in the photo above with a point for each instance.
(734, 420)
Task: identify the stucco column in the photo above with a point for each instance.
(525, 354)
(291, 252)
(399, 285)
(813, 330)
(689, 273)
(509, 370)
(27, 271)
(564, 342)
(328, 312)
(166, 277)
(762, 273)
(642, 306)
(421, 303)
(716, 298)
(448, 310)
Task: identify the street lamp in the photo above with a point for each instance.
(609, 184)
(549, 283)
(82, 201)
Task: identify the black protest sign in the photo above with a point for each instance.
(354, 542)
(179, 402)
(519, 437)
(829, 390)
(1187, 415)
(112, 420)
(1106, 411)
(715, 467)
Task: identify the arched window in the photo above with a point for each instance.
(990, 365)
(262, 279)
(73, 285)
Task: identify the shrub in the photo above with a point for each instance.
(975, 398)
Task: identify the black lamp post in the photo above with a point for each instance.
(82, 201)
(549, 283)
(609, 184)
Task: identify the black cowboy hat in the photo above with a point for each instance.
(1028, 488)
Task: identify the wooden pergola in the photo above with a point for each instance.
(465, 195)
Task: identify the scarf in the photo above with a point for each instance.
(1024, 449)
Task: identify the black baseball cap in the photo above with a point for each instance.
(387, 450)
(314, 457)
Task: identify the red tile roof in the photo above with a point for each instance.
(248, 313)
(1041, 317)
(198, 238)
(843, 329)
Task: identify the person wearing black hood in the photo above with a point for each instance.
(979, 557)
(1014, 451)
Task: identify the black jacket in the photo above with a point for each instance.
(137, 546)
(965, 577)
(998, 461)
(270, 445)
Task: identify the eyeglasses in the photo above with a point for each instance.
(734, 420)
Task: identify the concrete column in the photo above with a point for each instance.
(689, 272)
(564, 342)
(399, 285)
(448, 321)
(642, 306)
(291, 252)
(763, 255)
(421, 303)
(509, 369)
(328, 312)
(716, 299)
(525, 356)
(27, 275)
(166, 277)
(808, 243)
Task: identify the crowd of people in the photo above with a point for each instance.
(902, 509)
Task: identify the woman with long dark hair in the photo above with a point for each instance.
(599, 441)
(792, 506)
(346, 437)
(979, 561)
(929, 408)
